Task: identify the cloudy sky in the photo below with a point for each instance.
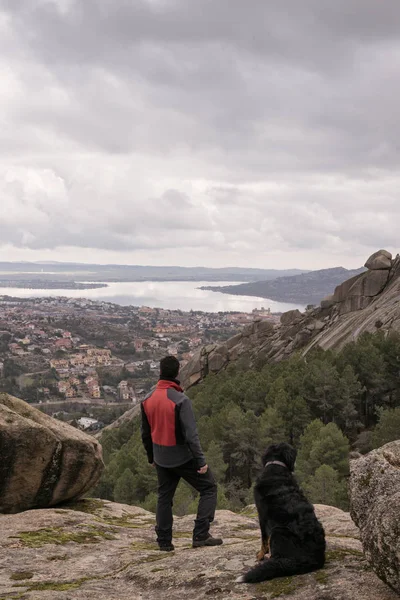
(200, 132)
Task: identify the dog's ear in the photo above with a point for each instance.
(269, 453)
(289, 455)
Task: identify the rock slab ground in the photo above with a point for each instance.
(99, 550)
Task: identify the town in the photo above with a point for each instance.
(88, 361)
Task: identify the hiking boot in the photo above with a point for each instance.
(166, 547)
(208, 541)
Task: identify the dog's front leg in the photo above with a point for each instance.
(264, 547)
(268, 547)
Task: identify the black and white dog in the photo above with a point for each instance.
(290, 530)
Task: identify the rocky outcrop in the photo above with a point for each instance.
(380, 260)
(375, 507)
(42, 461)
(358, 292)
(98, 550)
(214, 357)
(367, 302)
(290, 317)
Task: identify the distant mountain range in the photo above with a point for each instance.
(304, 288)
(112, 273)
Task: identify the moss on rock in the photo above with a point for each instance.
(21, 575)
(143, 546)
(278, 587)
(338, 554)
(182, 535)
(321, 577)
(46, 586)
(58, 536)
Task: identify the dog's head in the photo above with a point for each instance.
(283, 452)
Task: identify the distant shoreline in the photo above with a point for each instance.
(44, 284)
(233, 291)
(170, 295)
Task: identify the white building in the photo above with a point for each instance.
(86, 422)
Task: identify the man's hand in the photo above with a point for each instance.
(203, 470)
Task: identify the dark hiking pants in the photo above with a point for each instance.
(168, 480)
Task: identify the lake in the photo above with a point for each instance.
(173, 295)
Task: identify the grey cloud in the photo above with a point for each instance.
(223, 125)
(43, 211)
(40, 210)
(255, 26)
(221, 74)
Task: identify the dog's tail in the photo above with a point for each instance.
(280, 567)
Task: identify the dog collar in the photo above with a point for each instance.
(275, 462)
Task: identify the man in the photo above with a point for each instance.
(170, 437)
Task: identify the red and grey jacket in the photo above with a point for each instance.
(169, 431)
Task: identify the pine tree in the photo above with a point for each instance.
(150, 502)
(368, 363)
(311, 435)
(124, 491)
(324, 486)
(332, 448)
(390, 346)
(388, 428)
(323, 389)
(222, 500)
(215, 460)
(350, 392)
(272, 427)
(145, 475)
(294, 413)
(324, 446)
(185, 499)
(238, 434)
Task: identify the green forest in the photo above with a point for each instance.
(325, 404)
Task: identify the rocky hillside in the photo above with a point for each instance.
(99, 550)
(367, 302)
(303, 289)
